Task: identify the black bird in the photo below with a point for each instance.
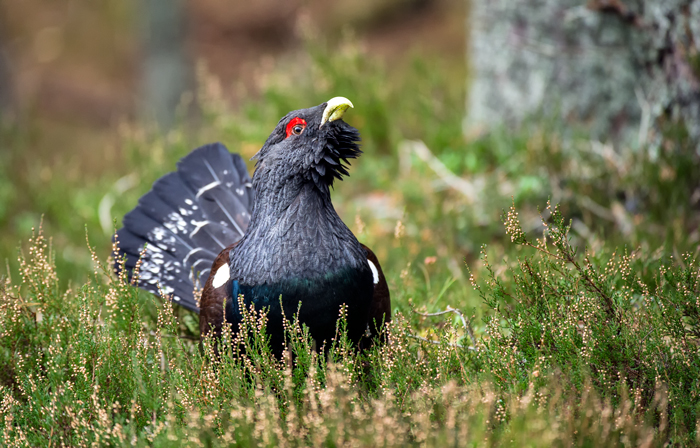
(277, 235)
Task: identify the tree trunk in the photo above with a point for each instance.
(166, 72)
(623, 70)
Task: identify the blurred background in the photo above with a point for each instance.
(465, 108)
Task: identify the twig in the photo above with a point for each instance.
(545, 251)
(105, 207)
(595, 208)
(465, 323)
(609, 306)
(455, 345)
(421, 150)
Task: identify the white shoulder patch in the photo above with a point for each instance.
(375, 273)
(222, 275)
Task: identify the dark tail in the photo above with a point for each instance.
(187, 218)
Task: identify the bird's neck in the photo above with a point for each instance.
(277, 198)
(294, 232)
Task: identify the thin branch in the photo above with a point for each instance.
(105, 208)
(465, 323)
(455, 345)
(595, 208)
(568, 257)
(545, 251)
(448, 177)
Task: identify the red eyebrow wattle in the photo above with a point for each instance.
(293, 122)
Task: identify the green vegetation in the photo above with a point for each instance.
(585, 331)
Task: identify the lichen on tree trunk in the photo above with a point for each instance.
(624, 70)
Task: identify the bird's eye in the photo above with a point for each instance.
(296, 126)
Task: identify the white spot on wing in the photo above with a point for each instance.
(222, 275)
(175, 223)
(198, 225)
(207, 187)
(192, 252)
(200, 261)
(375, 272)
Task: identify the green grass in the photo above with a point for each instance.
(577, 350)
(582, 321)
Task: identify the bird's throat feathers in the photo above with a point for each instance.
(294, 233)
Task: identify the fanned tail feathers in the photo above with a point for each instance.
(187, 218)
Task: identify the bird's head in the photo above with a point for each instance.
(310, 145)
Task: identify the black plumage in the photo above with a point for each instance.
(183, 225)
(276, 236)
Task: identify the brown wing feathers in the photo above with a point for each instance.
(211, 305)
(380, 309)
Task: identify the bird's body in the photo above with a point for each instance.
(281, 241)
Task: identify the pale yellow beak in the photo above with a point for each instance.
(335, 109)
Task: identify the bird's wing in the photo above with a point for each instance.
(215, 291)
(380, 308)
(187, 218)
